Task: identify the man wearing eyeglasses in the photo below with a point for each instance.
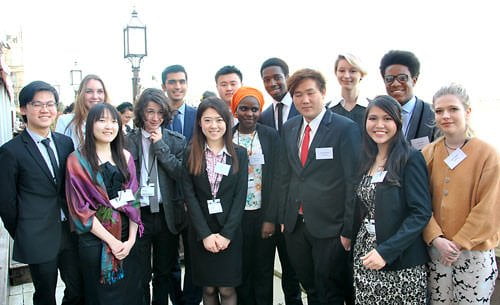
(33, 206)
(400, 71)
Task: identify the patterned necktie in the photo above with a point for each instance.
(52, 157)
(176, 123)
(304, 148)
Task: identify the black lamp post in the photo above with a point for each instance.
(76, 78)
(135, 48)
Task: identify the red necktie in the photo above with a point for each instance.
(304, 148)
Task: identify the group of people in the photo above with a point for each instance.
(383, 200)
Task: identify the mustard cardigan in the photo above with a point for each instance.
(465, 200)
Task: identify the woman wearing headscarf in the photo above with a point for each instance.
(259, 217)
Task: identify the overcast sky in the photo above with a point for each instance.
(454, 40)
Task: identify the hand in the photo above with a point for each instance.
(222, 242)
(156, 135)
(373, 260)
(209, 243)
(267, 229)
(127, 246)
(346, 243)
(448, 250)
(116, 247)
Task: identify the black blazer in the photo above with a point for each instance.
(422, 122)
(325, 187)
(169, 152)
(232, 193)
(401, 214)
(267, 116)
(31, 201)
(269, 141)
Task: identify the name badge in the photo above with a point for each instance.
(370, 226)
(419, 143)
(455, 158)
(324, 153)
(148, 190)
(222, 168)
(116, 203)
(126, 195)
(256, 159)
(378, 177)
(214, 206)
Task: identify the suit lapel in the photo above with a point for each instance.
(321, 133)
(36, 155)
(293, 144)
(415, 119)
(62, 160)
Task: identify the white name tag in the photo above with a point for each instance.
(370, 226)
(214, 206)
(222, 168)
(116, 203)
(126, 195)
(148, 190)
(324, 153)
(419, 143)
(256, 159)
(455, 158)
(378, 177)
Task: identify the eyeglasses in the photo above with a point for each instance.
(39, 105)
(402, 78)
(152, 113)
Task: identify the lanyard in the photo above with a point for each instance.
(218, 179)
(251, 141)
(150, 166)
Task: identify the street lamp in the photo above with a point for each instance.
(135, 48)
(76, 77)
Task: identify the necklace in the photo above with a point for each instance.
(454, 148)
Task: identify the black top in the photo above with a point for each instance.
(113, 179)
(357, 114)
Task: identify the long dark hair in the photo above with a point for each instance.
(196, 159)
(117, 145)
(399, 149)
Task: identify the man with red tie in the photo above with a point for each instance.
(316, 191)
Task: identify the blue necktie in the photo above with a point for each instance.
(176, 123)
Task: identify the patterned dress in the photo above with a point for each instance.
(406, 286)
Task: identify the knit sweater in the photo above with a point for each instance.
(466, 199)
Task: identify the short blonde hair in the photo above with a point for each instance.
(353, 61)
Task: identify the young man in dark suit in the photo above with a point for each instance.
(175, 84)
(317, 179)
(157, 154)
(400, 71)
(33, 204)
(274, 73)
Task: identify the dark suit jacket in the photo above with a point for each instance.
(422, 122)
(232, 194)
(269, 141)
(325, 187)
(401, 214)
(31, 201)
(169, 152)
(267, 116)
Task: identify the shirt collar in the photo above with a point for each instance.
(314, 124)
(182, 108)
(410, 105)
(286, 100)
(223, 150)
(38, 138)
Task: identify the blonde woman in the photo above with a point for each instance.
(465, 187)
(349, 73)
(90, 93)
